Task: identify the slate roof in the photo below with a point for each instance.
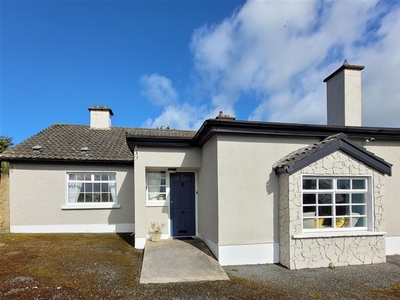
(305, 156)
(63, 142)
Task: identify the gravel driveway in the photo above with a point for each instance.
(106, 266)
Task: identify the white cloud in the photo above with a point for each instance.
(184, 116)
(158, 89)
(281, 52)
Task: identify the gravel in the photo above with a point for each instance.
(106, 266)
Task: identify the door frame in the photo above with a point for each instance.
(195, 200)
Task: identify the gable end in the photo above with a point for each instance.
(303, 157)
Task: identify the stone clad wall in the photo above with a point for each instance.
(300, 251)
(4, 204)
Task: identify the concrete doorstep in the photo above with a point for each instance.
(179, 261)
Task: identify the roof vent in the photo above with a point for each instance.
(37, 148)
(84, 149)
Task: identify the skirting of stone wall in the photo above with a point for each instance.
(336, 251)
(4, 204)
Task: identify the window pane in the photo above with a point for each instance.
(309, 184)
(154, 181)
(358, 209)
(358, 198)
(308, 209)
(80, 177)
(343, 184)
(343, 210)
(96, 177)
(72, 176)
(153, 196)
(325, 211)
(88, 177)
(96, 187)
(324, 198)
(361, 222)
(342, 198)
(88, 187)
(359, 184)
(309, 199)
(96, 197)
(104, 187)
(88, 198)
(156, 174)
(105, 197)
(104, 177)
(81, 197)
(325, 184)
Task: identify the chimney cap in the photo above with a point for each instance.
(345, 66)
(221, 115)
(101, 108)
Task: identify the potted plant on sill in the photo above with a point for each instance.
(161, 197)
(156, 231)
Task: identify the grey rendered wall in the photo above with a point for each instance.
(37, 192)
(183, 159)
(248, 187)
(390, 151)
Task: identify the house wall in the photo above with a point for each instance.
(298, 250)
(208, 196)
(248, 194)
(184, 159)
(390, 151)
(38, 192)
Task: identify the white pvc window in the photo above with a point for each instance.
(91, 188)
(336, 203)
(156, 186)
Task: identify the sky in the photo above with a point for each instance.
(178, 62)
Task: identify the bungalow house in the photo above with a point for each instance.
(254, 192)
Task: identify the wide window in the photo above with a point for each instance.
(91, 188)
(336, 203)
(156, 185)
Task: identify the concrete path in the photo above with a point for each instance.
(179, 261)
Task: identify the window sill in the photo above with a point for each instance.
(90, 206)
(157, 203)
(313, 235)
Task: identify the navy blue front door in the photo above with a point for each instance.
(182, 207)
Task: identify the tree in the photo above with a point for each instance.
(5, 142)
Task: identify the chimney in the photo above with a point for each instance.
(343, 89)
(100, 117)
(225, 117)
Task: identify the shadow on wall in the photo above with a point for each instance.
(272, 187)
(123, 216)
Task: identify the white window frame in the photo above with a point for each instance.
(159, 202)
(368, 192)
(90, 205)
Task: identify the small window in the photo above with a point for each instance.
(335, 203)
(156, 185)
(91, 188)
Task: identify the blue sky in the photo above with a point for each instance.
(176, 63)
